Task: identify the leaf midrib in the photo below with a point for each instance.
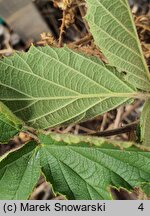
(83, 96)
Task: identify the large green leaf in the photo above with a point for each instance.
(50, 86)
(85, 168)
(114, 32)
(9, 124)
(19, 172)
(145, 124)
(78, 167)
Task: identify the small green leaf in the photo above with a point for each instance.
(47, 87)
(81, 170)
(113, 29)
(19, 172)
(145, 124)
(10, 125)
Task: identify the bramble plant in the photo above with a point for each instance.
(47, 87)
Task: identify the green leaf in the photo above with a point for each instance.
(145, 124)
(10, 125)
(146, 189)
(19, 172)
(77, 166)
(47, 87)
(85, 167)
(113, 29)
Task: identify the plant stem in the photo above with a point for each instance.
(142, 95)
(62, 29)
(125, 129)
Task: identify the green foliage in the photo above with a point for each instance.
(78, 167)
(19, 172)
(81, 171)
(50, 86)
(115, 34)
(47, 87)
(145, 124)
(10, 125)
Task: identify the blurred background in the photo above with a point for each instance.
(49, 22)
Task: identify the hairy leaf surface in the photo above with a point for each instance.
(78, 167)
(9, 124)
(145, 124)
(19, 173)
(50, 86)
(81, 170)
(113, 29)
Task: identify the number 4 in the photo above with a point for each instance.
(141, 207)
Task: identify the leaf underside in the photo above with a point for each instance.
(113, 29)
(10, 125)
(79, 167)
(47, 87)
(19, 172)
(145, 124)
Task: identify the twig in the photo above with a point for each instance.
(30, 132)
(118, 119)
(125, 129)
(76, 131)
(33, 136)
(103, 124)
(83, 40)
(6, 51)
(62, 29)
(82, 12)
(87, 130)
(68, 129)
